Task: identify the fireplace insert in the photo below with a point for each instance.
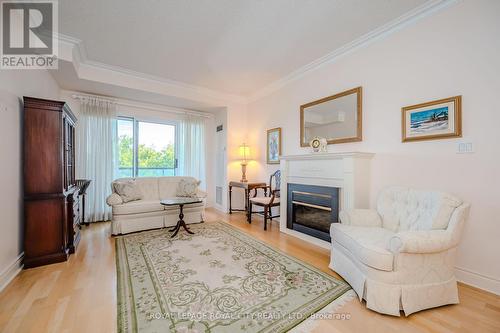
(311, 209)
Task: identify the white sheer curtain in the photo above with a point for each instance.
(96, 154)
(192, 149)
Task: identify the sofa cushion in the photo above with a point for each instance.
(149, 187)
(128, 190)
(138, 207)
(405, 209)
(367, 244)
(168, 186)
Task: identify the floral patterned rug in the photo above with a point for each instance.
(217, 280)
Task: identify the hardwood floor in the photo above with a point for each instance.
(80, 294)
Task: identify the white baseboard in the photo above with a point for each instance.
(477, 280)
(11, 272)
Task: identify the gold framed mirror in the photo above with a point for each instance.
(337, 118)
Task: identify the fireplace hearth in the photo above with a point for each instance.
(311, 209)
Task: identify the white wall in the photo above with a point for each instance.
(237, 124)
(219, 173)
(453, 52)
(14, 84)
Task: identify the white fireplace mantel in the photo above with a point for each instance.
(348, 171)
(326, 156)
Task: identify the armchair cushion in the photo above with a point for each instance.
(361, 217)
(419, 242)
(368, 245)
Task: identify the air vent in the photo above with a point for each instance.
(218, 195)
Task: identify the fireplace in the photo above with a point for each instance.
(312, 208)
(342, 177)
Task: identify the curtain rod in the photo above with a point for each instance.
(140, 105)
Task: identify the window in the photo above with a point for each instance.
(146, 149)
(125, 148)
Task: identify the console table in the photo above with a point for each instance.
(247, 187)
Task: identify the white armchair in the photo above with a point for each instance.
(401, 256)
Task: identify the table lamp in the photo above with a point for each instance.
(244, 154)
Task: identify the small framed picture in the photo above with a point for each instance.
(273, 145)
(432, 120)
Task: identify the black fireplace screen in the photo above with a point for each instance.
(312, 217)
(311, 209)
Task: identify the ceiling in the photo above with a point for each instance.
(67, 78)
(230, 46)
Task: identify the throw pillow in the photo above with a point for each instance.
(128, 190)
(188, 188)
(114, 199)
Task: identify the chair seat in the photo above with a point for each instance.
(264, 201)
(367, 244)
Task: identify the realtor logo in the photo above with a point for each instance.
(28, 37)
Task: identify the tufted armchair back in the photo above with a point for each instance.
(404, 209)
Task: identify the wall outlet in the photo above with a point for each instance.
(465, 148)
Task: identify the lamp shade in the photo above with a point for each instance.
(244, 151)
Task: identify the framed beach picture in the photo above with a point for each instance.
(273, 145)
(433, 120)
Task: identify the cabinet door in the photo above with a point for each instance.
(42, 151)
(45, 233)
(69, 153)
(65, 152)
(72, 154)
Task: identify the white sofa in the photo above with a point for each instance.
(401, 256)
(148, 213)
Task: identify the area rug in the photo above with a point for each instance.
(217, 280)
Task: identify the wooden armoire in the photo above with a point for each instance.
(51, 201)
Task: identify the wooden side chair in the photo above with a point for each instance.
(270, 199)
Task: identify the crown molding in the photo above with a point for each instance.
(142, 76)
(81, 61)
(425, 10)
